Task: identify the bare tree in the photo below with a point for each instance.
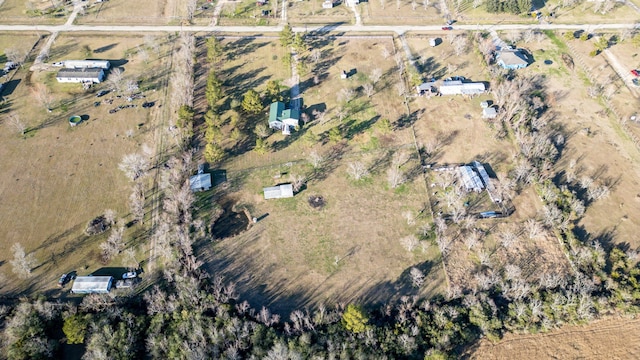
(116, 79)
(109, 217)
(507, 238)
(385, 52)
(368, 89)
(16, 123)
(533, 228)
(410, 242)
(191, 9)
(315, 159)
(357, 170)
(594, 91)
(42, 95)
(414, 5)
(316, 55)
(297, 181)
(136, 202)
(528, 35)
(22, 263)
(471, 240)
(113, 245)
(417, 277)
(376, 75)
(129, 259)
(460, 44)
(262, 130)
(16, 56)
(410, 217)
(134, 165)
(346, 95)
(152, 43)
(395, 177)
(382, 2)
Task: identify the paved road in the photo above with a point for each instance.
(320, 29)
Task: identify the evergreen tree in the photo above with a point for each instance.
(251, 102)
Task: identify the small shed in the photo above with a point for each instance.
(484, 104)
(200, 182)
(327, 5)
(278, 192)
(433, 42)
(92, 285)
(489, 113)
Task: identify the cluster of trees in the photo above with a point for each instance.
(213, 151)
(508, 6)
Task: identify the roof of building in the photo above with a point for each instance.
(458, 87)
(104, 64)
(200, 181)
(512, 57)
(278, 192)
(277, 112)
(489, 112)
(89, 284)
(83, 73)
(426, 86)
(470, 178)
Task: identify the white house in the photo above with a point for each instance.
(283, 119)
(84, 64)
(85, 75)
(92, 285)
(457, 87)
(200, 182)
(278, 192)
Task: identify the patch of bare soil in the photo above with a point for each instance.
(603, 339)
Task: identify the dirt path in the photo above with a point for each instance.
(353, 8)
(621, 70)
(603, 339)
(217, 11)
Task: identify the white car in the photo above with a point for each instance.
(130, 275)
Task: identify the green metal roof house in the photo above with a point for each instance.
(283, 119)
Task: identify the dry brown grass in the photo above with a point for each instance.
(611, 338)
(15, 12)
(58, 178)
(374, 12)
(145, 12)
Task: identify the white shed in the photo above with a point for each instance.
(457, 87)
(92, 285)
(278, 192)
(489, 113)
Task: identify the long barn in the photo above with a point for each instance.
(92, 285)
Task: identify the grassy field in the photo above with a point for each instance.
(16, 12)
(57, 178)
(295, 255)
(120, 12)
(386, 12)
(579, 14)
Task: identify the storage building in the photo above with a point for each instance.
(92, 285)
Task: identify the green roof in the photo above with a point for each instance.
(277, 112)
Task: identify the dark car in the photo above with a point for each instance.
(102, 93)
(148, 104)
(447, 28)
(65, 278)
(635, 72)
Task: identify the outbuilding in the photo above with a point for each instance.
(489, 113)
(457, 87)
(200, 182)
(85, 64)
(85, 75)
(278, 192)
(92, 285)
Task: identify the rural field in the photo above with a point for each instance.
(585, 12)
(20, 12)
(146, 12)
(57, 178)
(299, 256)
(612, 338)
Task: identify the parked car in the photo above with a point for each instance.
(126, 284)
(636, 82)
(447, 28)
(102, 93)
(635, 72)
(65, 278)
(130, 275)
(148, 104)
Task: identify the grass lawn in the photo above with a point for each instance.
(15, 12)
(386, 12)
(121, 12)
(56, 177)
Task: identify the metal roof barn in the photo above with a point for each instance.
(278, 192)
(92, 285)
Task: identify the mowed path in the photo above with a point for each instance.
(613, 338)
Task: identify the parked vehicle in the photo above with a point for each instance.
(447, 28)
(102, 93)
(635, 72)
(129, 275)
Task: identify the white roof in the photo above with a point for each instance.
(459, 88)
(489, 112)
(72, 64)
(470, 179)
(278, 192)
(200, 181)
(91, 284)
